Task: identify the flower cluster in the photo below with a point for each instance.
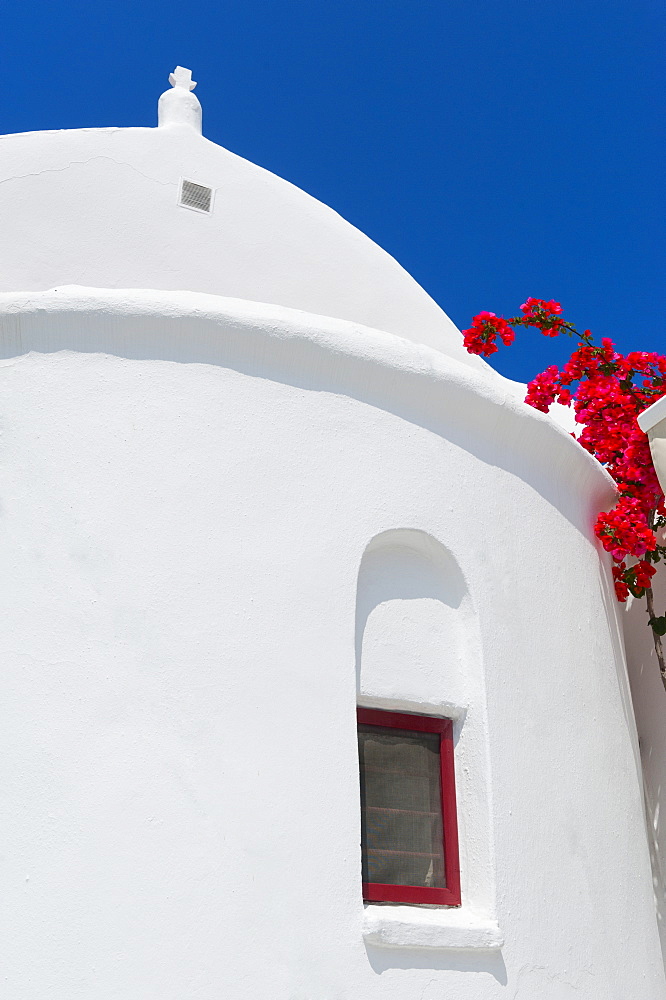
(608, 391)
(624, 531)
(544, 315)
(485, 328)
(545, 389)
(636, 579)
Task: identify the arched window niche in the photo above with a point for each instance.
(418, 650)
(414, 625)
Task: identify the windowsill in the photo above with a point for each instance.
(412, 927)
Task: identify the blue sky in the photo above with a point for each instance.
(496, 148)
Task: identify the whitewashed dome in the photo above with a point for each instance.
(102, 208)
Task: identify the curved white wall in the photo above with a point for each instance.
(418, 649)
(649, 702)
(99, 207)
(188, 489)
(413, 623)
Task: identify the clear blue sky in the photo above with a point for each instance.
(496, 148)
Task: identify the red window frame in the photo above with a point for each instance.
(450, 896)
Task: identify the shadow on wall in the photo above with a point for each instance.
(619, 659)
(373, 368)
(649, 703)
(383, 959)
(408, 629)
(415, 651)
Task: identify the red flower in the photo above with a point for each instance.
(621, 588)
(543, 389)
(544, 315)
(609, 391)
(486, 327)
(643, 573)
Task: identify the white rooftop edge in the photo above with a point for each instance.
(653, 422)
(653, 415)
(288, 343)
(103, 208)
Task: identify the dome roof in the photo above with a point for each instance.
(103, 208)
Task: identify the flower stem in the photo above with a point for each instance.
(657, 638)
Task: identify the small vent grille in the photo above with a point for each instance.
(196, 196)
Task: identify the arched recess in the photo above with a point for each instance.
(414, 625)
(418, 649)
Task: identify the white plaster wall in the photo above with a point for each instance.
(99, 207)
(412, 608)
(188, 487)
(418, 649)
(649, 701)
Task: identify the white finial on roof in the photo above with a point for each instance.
(182, 77)
(179, 106)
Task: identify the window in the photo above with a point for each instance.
(409, 831)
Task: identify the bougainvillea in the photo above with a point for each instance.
(608, 390)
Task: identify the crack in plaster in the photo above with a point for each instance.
(76, 163)
(529, 974)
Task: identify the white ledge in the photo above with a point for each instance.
(415, 382)
(411, 927)
(652, 415)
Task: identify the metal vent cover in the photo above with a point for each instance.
(196, 196)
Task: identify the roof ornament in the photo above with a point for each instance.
(182, 77)
(179, 106)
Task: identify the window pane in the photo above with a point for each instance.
(401, 807)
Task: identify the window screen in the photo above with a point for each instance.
(401, 807)
(409, 827)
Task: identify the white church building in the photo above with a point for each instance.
(314, 684)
